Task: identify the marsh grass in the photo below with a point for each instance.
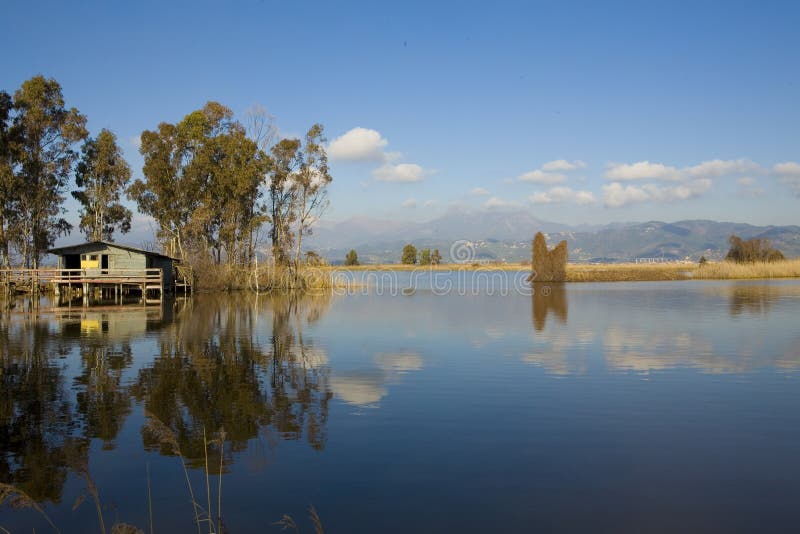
(223, 277)
(628, 272)
(624, 272)
(728, 270)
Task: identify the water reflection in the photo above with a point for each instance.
(36, 412)
(69, 377)
(289, 377)
(548, 298)
(215, 372)
(368, 387)
(663, 327)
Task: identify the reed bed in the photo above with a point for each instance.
(726, 270)
(622, 272)
(628, 272)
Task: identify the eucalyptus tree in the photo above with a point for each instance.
(202, 178)
(7, 187)
(44, 133)
(310, 185)
(285, 161)
(103, 174)
(165, 193)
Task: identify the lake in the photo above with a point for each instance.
(616, 407)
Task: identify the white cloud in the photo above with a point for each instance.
(787, 168)
(401, 173)
(642, 170)
(495, 203)
(540, 177)
(479, 192)
(616, 195)
(136, 141)
(717, 167)
(359, 144)
(745, 181)
(789, 174)
(563, 165)
(556, 195)
(410, 203)
(429, 203)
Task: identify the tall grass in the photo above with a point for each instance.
(226, 277)
(628, 272)
(725, 270)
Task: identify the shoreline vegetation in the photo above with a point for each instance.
(623, 272)
(229, 278)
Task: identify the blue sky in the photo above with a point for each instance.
(582, 112)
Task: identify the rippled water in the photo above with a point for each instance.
(623, 407)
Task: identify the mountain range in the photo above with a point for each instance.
(506, 236)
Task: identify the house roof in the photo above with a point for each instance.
(60, 251)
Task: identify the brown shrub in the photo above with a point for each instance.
(752, 250)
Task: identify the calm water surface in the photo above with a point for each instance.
(626, 407)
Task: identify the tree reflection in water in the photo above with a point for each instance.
(221, 364)
(36, 412)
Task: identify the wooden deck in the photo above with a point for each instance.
(86, 283)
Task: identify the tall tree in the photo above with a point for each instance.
(44, 133)
(202, 178)
(310, 186)
(166, 193)
(103, 174)
(351, 258)
(285, 161)
(8, 189)
(409, 256)
(425, 256)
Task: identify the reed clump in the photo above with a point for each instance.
(548, 265)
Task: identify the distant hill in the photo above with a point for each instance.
(506, 236)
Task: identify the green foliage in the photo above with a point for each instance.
(436, 257)
(202, 184)
(103, 174)
(703, 260)
(39, 134)
(425, 256)
(298, 196)
(351, 258)
(409, 256)
(752, 250)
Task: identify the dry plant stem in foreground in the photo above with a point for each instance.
(18, 499)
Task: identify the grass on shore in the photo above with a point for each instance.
(624, 272)
(629, 272)
(729, 270)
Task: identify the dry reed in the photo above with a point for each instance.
(18, 499)
(725, 270)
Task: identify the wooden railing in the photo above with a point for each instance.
(30, 277)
